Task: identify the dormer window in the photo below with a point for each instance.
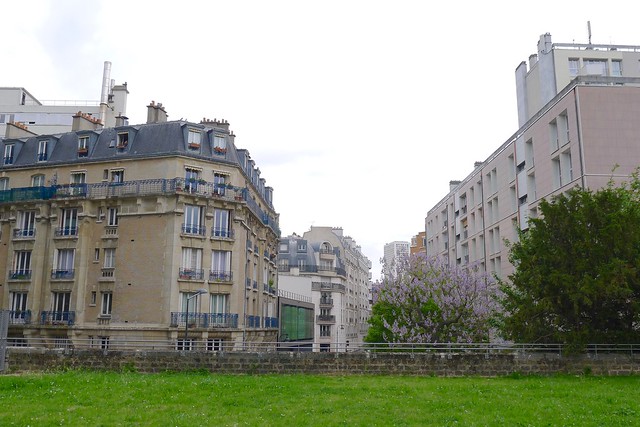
(219, 144)
(83, 146)
(123, 140)
(193, 140)
(42, 150)
(8, 154)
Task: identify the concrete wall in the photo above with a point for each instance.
(437, 364)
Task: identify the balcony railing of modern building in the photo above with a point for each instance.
(327, 286)
(326, 318)
(67, 318)
(145, 187)
(325, 301)
(204, 320)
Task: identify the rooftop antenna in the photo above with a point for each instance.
(589, 30)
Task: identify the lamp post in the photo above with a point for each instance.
(186, 318)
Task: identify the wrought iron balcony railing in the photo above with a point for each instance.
(194, 230)
(204, 320)
(20, 274)
(19, 317)
(220, 276)
(24, 233)
(191, 274)
(67, 318)
(221, 233)
(66, 231)
(62, 274)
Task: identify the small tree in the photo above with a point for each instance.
(431, 302)
(577, 270)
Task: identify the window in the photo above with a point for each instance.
(107, 298)
(63, 264)
(219, 144)
(194, 303)
(21, 265)
(4, 184)
(574, 67)
(221, 223)
(193, 139)
(112, 217)
(284, 247)
(37, 180)
(42, 150)
(553, 135)
(96, 254)
(219, 304)
(193, 220)
(325, 330)
(302, 246)
(83, 146)
(109, 258)
(220, 265)
(219, 182)
(302, 263)
(117, 175)
(60, 303)
(191, 264)
(215, 344)
(192, 178)
(68, 222)
(565, 166)
(78, 180)
(596, 67)
(616, 68)
(18, 307)
(93, 298)
(8, 154)
(26, 224)
(123, 140)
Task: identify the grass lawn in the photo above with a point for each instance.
(202, 399)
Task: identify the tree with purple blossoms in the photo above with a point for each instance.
(429, 301)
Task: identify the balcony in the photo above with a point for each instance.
(191, 274)
(326, 318)
(204, 320)
(221, 233)
(253, 322)
(110, 232)
(19, 274)
(193, 230)
(147, 187)
(42, 157)
(107, 274)
(270, 322)
(20, 317)
(64, 318)
(220, 276)
(71, 232)
(326, 302)
(24, 233)
(64, 274)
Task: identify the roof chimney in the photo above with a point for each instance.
(156, 113)
(453, 185)
(17, 130)
(82, 121)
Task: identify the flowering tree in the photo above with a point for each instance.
(430, 301)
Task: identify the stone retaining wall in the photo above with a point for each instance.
(437, 364)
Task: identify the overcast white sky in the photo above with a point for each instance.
(358, 113)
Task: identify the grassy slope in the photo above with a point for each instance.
(111, 399)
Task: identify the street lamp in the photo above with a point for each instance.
(186, 318)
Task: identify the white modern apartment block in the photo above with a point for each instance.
(578, 109)
(52, 117)
(394, 252)
(338, 274)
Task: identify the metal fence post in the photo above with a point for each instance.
(4, 330)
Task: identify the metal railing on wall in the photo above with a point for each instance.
(191, 344)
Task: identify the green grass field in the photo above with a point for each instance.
(78, 398)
